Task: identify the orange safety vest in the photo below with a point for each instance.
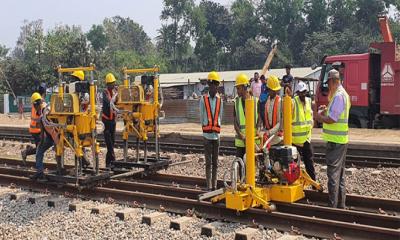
(212, 125)
(112, 114)
(35, 119)
(274, 115)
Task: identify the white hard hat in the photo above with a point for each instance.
(301, 86)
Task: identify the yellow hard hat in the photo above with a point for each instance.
(273, 83)
(214, 76)
(242, 79)
(110, 78)
(35, 96)
(79, 74)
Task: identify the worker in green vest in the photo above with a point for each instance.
(242, 85)
(336, 133)
(302, 124)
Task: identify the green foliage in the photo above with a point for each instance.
(245, 23)
(200, 36)
(97, 37)
(251, 56)
(319, 44)
(3, 52)
(207, 51)
(179, 13)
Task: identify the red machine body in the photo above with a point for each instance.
(372, 81)
(293, 173)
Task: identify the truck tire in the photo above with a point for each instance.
(354, 122)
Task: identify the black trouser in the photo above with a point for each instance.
(262, 111)
(36, 140)
(336, 161)
(240, 152)
(211, 151)
(306, 153)
(109, 137)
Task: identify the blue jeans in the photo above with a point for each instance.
(44, 145)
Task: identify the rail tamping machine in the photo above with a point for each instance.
(138, 105)
(284, 180)
(75, 128)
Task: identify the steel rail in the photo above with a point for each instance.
(309, 225)
(354, 202)
(353, 158)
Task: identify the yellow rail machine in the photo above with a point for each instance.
(285, 180)
(73, 119)
(139, 106)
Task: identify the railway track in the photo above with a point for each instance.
(355, 157)
(179, 194)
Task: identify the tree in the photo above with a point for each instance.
(3, 52)
(319, 44)
(283, 21)
(218, 21)
(97, 37)
(250, 56)
(207, 51)
(245, 23)
(178, 12)
(125, 34)
(317, 15)
(342, 14)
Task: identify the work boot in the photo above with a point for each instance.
(37, 176)
(23, 156)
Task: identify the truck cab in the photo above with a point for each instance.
(372, 81)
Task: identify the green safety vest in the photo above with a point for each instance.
(338, 132)
(302, 121)
(241, 119)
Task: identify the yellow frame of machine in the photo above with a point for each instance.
(250, 195)
(83, 124)
(145, 111)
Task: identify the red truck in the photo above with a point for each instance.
(372, 81)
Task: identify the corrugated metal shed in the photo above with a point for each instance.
(177, 79)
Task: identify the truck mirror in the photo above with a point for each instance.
(314, 66)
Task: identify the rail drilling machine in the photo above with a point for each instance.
(280, 179)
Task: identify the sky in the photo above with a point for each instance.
(78, 12)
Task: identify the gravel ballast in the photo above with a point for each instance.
(22, 220)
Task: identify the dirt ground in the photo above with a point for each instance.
(359, 135)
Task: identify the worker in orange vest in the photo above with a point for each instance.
(34, 127)
(210, 118)
(108, 117)
(273, 112)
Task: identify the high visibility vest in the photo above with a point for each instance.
(112, 114)
(35, 119)
(275, 114)
(241, 119)
(212, 119)
(302, 121)
(338, 132)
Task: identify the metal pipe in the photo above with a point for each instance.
(287, 120)
(145, 151)
(127, 174)
(125, 150)
(234, 176)
(250, 136)
(137, 150)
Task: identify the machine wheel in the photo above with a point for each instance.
(272, 207)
